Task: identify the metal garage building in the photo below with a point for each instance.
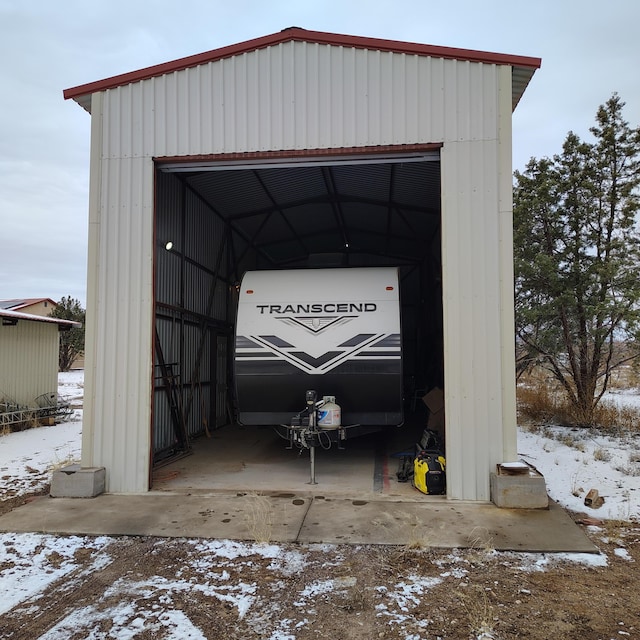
(288, 151)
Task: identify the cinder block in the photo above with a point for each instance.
(75, 481)
(519, 492)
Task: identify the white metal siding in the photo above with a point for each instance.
(505, 248)
(478, 305)
(302, 96)
(119, 313)
(28, 361)
(306, 96)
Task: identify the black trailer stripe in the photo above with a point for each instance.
(317, 362)
(356, 340)
(242, 342)
(256, 366)
(276, 341)
(378, 354)
(286, 356)
(256, 354)
(330, 360)
(350, 354)
(392, 340)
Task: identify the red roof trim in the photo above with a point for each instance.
(297, 34)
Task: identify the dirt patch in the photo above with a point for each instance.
(153, 587)
(8, 504)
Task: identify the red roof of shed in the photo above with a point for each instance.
(525, 65)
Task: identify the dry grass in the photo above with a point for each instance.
(61, 462)
(602, 455)
(259, 518)
(355, 600)
(479, 610)
(541, 402)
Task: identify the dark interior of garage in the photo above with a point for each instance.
(216, 220)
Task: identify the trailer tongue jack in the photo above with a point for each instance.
(307, 431)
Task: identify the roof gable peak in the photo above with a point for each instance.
(298, 34)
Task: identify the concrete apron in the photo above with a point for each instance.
(434, 522)
(357, 500)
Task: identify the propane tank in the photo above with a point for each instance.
(329, 413)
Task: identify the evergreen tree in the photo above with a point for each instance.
(72, 340)
(577, 259)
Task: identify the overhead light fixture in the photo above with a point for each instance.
(168, 246)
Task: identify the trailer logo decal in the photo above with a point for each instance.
(317, 307)
(315, 324)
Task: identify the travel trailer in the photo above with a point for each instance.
(335, 332)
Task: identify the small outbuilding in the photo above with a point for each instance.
(297, 150)
(29, 349)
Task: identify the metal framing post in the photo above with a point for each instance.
(312, 449)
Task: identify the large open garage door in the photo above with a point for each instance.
(217, 219)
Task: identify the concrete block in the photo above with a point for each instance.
(519, 491)
(74, 481)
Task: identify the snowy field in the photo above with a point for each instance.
(572, 462)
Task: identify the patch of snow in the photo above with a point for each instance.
(592, 462)
(28, 558)
(621, 552)
(128, 621)
(543, 561)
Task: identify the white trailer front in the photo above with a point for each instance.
(336, 331)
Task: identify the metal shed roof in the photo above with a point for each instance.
(12, 317)
(523, 66)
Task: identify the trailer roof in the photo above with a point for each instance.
(523, 66)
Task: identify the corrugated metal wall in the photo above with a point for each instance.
(302, 96)
(478, 302)
(28, 361)
(192, 283)
(306, 96)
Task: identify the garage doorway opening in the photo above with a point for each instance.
(216, 219)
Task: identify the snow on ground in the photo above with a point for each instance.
(572, 462)
(575, 461)
(28, 457)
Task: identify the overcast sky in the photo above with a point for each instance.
(589, 50)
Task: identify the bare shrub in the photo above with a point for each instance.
(479, 611)
(543, 405)
(567, 439)
(601, 455)
(630, 469)
(617, 420)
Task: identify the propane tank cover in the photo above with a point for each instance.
(329, 413)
